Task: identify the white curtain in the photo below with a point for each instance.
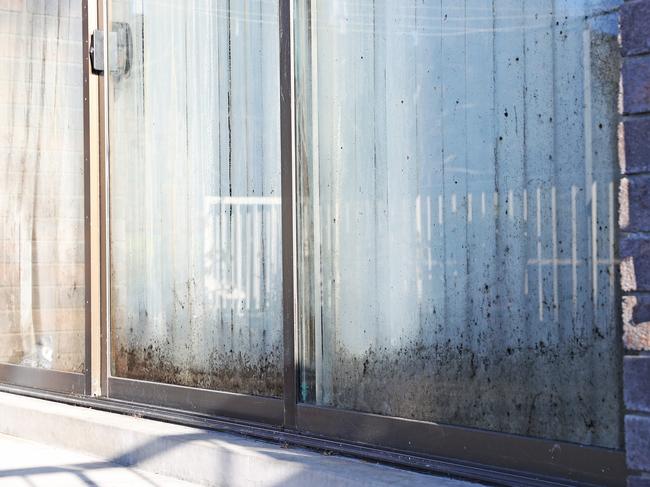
(195, 196)
(457, 174)
(41, 185)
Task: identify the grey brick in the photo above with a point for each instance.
(637, 442)
(637, 145)
(636, 322)
(641, 313)
(635, 35)
(636, 379)
(636, 190)
(635, 265)
(638, 481)
(636, 84)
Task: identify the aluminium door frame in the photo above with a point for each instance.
(45, 379)
(454, 449)
(85, 382)
(240, 407)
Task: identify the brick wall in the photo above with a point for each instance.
(41, 184)
(634, 220)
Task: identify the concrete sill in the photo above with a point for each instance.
(194, 455)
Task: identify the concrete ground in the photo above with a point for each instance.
(24, 463)
(38, 441)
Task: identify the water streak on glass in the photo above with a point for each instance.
(457, 167)
(196, 275)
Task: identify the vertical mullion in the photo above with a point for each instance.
(104, 275)
(91, 207)
(288, 198)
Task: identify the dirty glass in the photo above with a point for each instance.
(195, 230)
(456, 173)
(41, 185)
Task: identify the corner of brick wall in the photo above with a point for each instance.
(634, 221)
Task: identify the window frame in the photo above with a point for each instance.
(438, 448)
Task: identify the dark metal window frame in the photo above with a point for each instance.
(48, 380)
(53, 380)
(466, 452)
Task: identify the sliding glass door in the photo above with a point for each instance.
(457, 178)
(42, 269)
(195, 227)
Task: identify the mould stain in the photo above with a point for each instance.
(497, 316)
(542, 390)
(238, 372)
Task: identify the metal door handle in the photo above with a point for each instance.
(120, 49)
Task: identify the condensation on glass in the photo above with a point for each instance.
(456, 178)
(196, 275)
(41, 185)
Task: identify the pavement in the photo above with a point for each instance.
(24, 463)
(45, 443)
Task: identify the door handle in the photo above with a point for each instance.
(120, 48)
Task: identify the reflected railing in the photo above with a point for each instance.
(243, 256)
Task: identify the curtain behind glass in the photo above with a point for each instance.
(41, 185)
(457, 177)
(195, 196)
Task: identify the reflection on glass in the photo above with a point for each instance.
(196, 289)
(457, 173)
(41, 186)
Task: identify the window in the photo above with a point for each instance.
(196, 270)
(456, 195)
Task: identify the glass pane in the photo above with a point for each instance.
(41, 185)
(457, 170)
(196, 288)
